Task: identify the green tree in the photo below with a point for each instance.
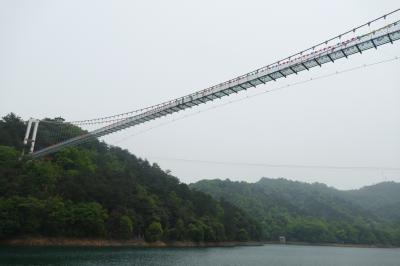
(195, 233)
(242, 235)
(31, 213)
(87, 220)
(154, 232)
(125, 227)
(9, 218)
(55, 217)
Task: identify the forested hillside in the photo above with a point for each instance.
(315, 212)
(100, 191)
(382, 199)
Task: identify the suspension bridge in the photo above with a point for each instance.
(371, 35)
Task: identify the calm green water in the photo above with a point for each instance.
(263, 255)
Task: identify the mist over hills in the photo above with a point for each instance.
(382, 199)
(284, 207)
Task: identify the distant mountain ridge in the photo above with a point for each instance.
(382, 199)
(378, 195)
(367, 215)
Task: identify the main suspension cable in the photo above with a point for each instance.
(313, 49)
(363, 66)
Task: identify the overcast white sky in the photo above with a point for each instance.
(84, 59)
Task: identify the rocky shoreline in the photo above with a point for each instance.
(44, 241)
(91, 242)
(345, 245)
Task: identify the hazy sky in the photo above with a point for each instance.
(84, 59)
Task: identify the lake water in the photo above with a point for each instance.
(261, 255)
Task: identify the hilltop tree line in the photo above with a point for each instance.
(101, 191)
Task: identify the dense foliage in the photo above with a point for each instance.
(100, 191)
(315, 212)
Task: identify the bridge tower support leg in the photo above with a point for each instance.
(28, 130)
(32, 140)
